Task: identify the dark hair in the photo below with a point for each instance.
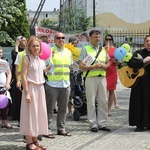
(86, 35)
(146, 37)
(109, 36)
(42, 35)
(72, 39)
(94, 31)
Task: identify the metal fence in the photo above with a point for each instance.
(134, 38)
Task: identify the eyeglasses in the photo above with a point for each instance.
(108, 39)
(58, 38)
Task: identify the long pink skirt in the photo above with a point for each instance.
(33, 117)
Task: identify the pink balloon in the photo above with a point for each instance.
(3, 101)
(46, 51)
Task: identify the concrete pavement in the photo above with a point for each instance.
(121, 137)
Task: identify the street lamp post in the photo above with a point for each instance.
(61, 13)
(94, 17)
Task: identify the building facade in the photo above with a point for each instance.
(51, 15)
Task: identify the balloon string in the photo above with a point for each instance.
(20, 89)
(49, 62)
(53, 75)
(12, 81)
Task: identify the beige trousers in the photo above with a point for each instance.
(96, 90)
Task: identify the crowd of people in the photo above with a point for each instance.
(38, 87)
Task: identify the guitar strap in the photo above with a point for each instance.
(100, 49)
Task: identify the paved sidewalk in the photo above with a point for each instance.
(121, 137)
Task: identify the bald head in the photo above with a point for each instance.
(59, 39)
(59, 34)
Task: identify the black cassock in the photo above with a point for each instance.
(139, 106)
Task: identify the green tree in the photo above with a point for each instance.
(47, 23)
(74, 19)
(12, 21)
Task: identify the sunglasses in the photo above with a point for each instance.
(58, 38)
(108, 39)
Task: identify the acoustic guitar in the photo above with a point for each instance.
(129, 76)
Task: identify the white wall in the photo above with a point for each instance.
(131, 11)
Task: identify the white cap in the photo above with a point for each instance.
(18, 37)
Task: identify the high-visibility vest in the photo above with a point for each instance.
(100, 59)
(21, 54)
(61, 65)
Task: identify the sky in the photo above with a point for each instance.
(49, 5)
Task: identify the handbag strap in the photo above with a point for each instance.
(100, 49)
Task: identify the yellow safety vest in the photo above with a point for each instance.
(61, 65)
(21, 54)
(101, 59)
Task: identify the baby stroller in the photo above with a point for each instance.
(78, 98)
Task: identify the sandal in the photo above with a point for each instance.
(7, 126)
(39, 145)
(40, 137)
(24, 139)
(63, 133)
(28, 147)
(117, 106)
(50, 135)
(55, 111)
(69, 115)
(109, 114)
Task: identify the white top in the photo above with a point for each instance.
(18, 59)
(2, 79)
(3, 67)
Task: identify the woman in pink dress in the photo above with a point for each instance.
(33, 120)
(111, 73)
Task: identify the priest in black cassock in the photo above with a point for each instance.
(139, 106)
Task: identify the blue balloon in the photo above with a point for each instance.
(120, 53)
